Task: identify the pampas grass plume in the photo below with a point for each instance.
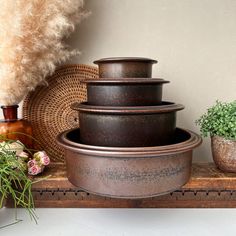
(31, 42)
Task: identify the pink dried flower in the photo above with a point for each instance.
(42, 157)
(35, 169)
(31, 163)
(45, 160)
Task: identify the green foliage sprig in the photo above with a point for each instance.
(220, 119)
(14, 181)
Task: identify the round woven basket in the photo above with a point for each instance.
(48, 107)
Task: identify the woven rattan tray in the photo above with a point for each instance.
(48, 107)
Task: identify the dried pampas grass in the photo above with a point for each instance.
(31, 42)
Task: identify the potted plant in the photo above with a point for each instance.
(220, 123)
(17, 163)
(14, 181)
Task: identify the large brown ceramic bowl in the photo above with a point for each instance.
(125, 92)
(129, 172)
(125, 67)
(127, 126)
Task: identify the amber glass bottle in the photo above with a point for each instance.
(14, 128)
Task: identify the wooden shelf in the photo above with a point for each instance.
(208, 187)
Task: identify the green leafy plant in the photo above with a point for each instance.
(220, 119)
(14, 181)
(17, 163)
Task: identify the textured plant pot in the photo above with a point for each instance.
(129, 172)
(125, 67)
(224, 153)
(127, 126)
(125, 92)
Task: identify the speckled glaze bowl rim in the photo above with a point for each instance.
(152, 151)
(165, 107)
(124, 60)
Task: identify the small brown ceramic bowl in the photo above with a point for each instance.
(129, 172)
(127, 126)
(125, 92)
(125, 67)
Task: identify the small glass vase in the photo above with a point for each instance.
(13, 128)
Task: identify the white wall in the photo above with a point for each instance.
(193, 40)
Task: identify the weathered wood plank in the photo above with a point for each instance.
(208, 176)
(151, 204)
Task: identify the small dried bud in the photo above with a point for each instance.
(23, 155)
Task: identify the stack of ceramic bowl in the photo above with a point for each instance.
(125, 107)
(128, 144)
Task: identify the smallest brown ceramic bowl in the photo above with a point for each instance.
(125, 67)
(125, 92)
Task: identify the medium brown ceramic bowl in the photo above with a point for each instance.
(125, 67)
(125, 92)
(127, 126)
(129, 172)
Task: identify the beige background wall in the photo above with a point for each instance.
(193, 40)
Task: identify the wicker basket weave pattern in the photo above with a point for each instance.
(48, 107)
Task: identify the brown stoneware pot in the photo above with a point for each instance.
(224, 153)
(125, 92)
(129, 172)
(127, 126)
(125, 67)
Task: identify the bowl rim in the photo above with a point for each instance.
(124, 59)
(152, 151)
(165, 107)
